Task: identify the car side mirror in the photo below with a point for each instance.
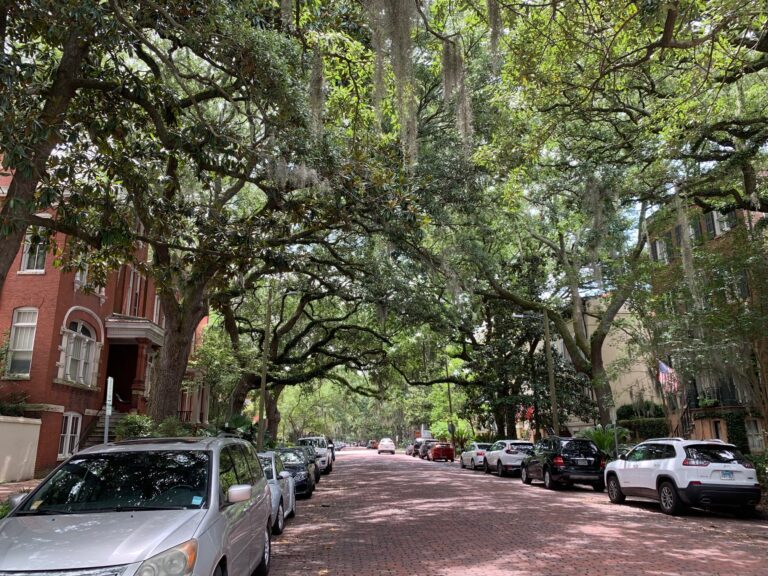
(622, 456)
(17, 499)
(239, 493)
(284, 474)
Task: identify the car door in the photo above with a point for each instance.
(286, 485)
(648, 468)
(239, 531)
(492, 454)
(629, 470)
(535, 464)
(259, 514)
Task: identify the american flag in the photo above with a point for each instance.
(668, 378)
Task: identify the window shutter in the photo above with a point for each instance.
(709, 220)
(94, 375)
(696, 229)
(62, 363)
(654, 252)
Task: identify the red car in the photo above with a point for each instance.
(441, 451)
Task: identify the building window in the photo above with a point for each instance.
(81, 278)
(661, 251)
(133, 299)
(80, 364)
(22, 341)
(70, 434)
(33, 254)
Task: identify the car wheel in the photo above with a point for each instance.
(500, 469)
(615, 494)
(451, 460)
(549, 484)
(669, 501)
(461, 463)
(486, 469)
(266, 556)
(472, 464)
(329, 469)
(279, 524)
(524, 475)
(292, 513)
(379, 451)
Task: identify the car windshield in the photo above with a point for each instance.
(124, 481)
(292, 457)
(483, 446)
(579, 446)
(316, 442)
(269, 470)
(715, 453)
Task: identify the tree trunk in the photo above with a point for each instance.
(601, 386)
(20, 199)
(273, 413)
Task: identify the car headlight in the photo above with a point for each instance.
(301, 475)
(177, 561)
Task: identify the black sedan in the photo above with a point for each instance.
(301, 468)
(312, 457)
(564, 461)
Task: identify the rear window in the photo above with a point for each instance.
(580, 446)
(316, 442)
(483, 446)
(716, 453)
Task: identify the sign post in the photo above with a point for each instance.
(108, 411)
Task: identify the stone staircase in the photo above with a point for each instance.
(95, 435)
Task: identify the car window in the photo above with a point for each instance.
(637, 454)
(253, 463)
(291, 457)
(227, 473)
(579, 446)
(125, 480)
(266, 464)
(715, 453)
(483, 446)
(668, 451)
(278, 466)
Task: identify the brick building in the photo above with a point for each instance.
(64, 337)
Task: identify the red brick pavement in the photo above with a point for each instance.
(389, 515)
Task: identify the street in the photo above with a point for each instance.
(398, 515)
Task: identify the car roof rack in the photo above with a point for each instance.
(674, 438)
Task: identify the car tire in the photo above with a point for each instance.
(379, 451)
(524, 475)
(451, 460)
(669, 501)
(461, 463)
(486, 469)
(549, 483)
(279, 524)
(266, 556)
(472, 464)
(615, 494)
(500, 469)
(292, 513)
(329, 469)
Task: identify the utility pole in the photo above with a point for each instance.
(451, 427)
(264, 361)
(551, 374)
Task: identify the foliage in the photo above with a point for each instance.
(644, 428)
(647, 409)
(172, 427)
(760, 462)
(12, 403)
(5, 508)
(134, 426)
(736, 430)
(606, 437)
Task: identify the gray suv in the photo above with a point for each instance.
(165, 507)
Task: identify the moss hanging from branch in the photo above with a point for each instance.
(455, 92)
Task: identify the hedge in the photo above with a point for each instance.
(643, 428)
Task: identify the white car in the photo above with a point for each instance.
(386, 445)
(474, 456)
(679, 473)
(282, 487)
(506, 456)
(324, 456)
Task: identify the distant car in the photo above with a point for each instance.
(505, 456)
(324, 453)
(417, 446)
(313, 457)
(565, 461)
(409, 449)
(282, 487)
(151, 507)
(441, 451)
(474, 456)
(372, 445)
(679, 473)
(303, 471)
(425, 446)
(386, 445)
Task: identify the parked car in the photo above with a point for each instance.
(324, 459)
(679, 473)
(474, 456)
(409, 449)
(386, 445)
(441, 451)
(565, 461)
(302, 470)
(193, 505)
(372, 445)
(282, 488)
(417, 446)
(506, 456)
(425, 446)
(313, 457)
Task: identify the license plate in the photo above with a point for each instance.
(581, 461)
(726, 475)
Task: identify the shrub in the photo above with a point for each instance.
(645, 409)
(605, 438)
(643, 428)
(761, 467)
(13, 404)
(134, 426)
(5, 508)
(172, 427)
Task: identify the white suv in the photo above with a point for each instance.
(324, 459)
(679, 473)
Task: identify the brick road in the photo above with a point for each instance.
(397, 515)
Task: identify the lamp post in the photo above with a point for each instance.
(451, 427)
(612, 410)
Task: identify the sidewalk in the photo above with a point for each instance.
(10, 488)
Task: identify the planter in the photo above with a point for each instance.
(18, 447)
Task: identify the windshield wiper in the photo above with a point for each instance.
(43, 512)
(139, 508)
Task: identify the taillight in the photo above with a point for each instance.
(695, 462)
(558, 461)
(746, 464)
(481, 453)
(602, 461)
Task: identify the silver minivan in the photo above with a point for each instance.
(148, 507)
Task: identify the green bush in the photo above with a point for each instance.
(5, 508)
(172, 427)
(643, 428)
(605, 438)
(134, 426)
(761, 467)
(646, 409)
(13, 404)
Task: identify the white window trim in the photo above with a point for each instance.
(25, 253)
(68, 436)
(661, 251)
(93, 352)
(15, 324)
